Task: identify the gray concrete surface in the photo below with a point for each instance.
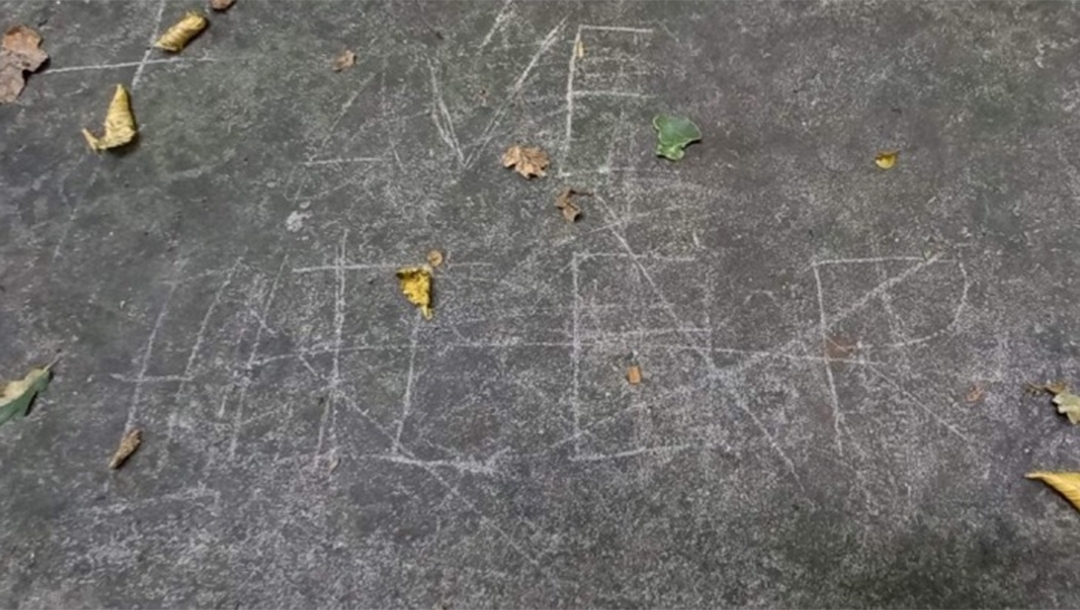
(808, 325)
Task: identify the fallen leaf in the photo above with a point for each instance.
(975, 394)
(528, 161)
(347, 59)
(434, 258)
(16, 396)
(887, 159)
(20, 52)
(128, 445)
(673, 134)
(565, 202)
(1054, 388)
(1069, 406)
(840, 347)
(579, 49)
(119, 123)
(176, 38)
(1065, 483)
(633, 374)
(416, 285)
(221, 5)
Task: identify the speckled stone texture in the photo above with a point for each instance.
(809, 327)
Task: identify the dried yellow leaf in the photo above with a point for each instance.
(119, 123)
(1068, 405)
(886, 160)
(128, 445)
(1065, 483)
(435, 258)
(176, 38)
(347, 59)
(528, 161)
(416, 285)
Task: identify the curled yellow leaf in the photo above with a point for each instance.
(887, 159)
(176, 38)
(128, 445)
(119, 123)
(1065, 483)
(416, 285)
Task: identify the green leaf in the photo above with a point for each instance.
(16, 396)
(673, 134)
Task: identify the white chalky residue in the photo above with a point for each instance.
(295, 221)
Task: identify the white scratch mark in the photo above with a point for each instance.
(339, 332)
(575, 333)
(501, 19)
(194, 355)
(834, 398)
(577, 94)
(238, 417)
(870, 261)
(150, 378)
(515, 89)
(664, 449)
(342, 161)
(133, 408)
(149, 46)
(440, 115)
(471, 466)
(406, 400)
(381, 267)
(129, 64)
(615, 28)
(921, 405)
(570, 72)
(433, 472)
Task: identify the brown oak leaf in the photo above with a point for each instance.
(527, 161)
(20, 52)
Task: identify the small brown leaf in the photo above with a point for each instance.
(347, 59)
(566, 203)
(528, 161)
(221, 5)
(128, 445)
(633, 374)
(20, 52)
(1065, 483)
(840, 347)
(176, 37)
(435, 258)
(974, 394)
